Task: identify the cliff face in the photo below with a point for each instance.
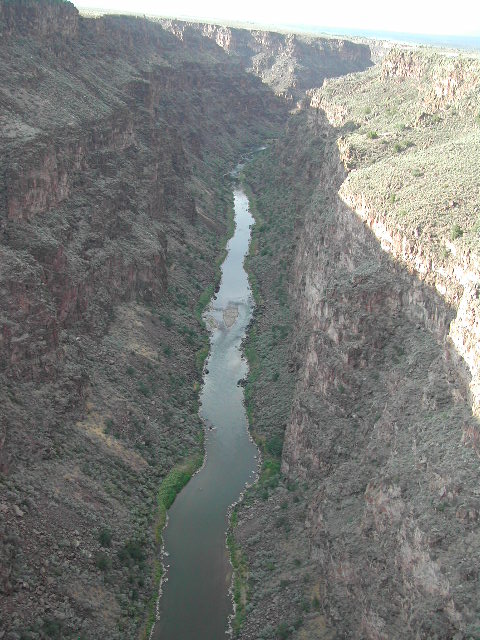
(38, 19)
(115, 140)
(381, 541)
(289, 63)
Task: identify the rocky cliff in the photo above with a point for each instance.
(372, 531)
(289, 63)
(116, 137)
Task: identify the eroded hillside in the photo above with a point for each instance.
(370, 530)
(116, 138)
(289, 63)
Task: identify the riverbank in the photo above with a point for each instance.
(267, 569)
(195, 536)
(180, 475)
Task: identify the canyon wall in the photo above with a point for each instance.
(116, 138)
(289, 63)
(372, 530)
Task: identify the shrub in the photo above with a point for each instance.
(132, 549)
(283, 630)
(457, 231)
(372, 135)
(102, 561)
(397, 147)
(144, 390)
(167, 320)
(130, 371)
(52, 628)
(105, 537)
(274, 446)
(350, 126)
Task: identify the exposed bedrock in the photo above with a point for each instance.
(374, 532)
(289, 63)
(116, 140)
(381, 429)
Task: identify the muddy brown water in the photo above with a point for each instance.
(196, 604)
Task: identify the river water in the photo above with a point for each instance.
(195, 604)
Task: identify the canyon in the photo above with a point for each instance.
(118, 136)
(367, 526)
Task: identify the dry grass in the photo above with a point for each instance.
(412, 144)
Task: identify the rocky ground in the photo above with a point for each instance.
(370, 529)
(116, 140)
(289, 63)
(118, 136)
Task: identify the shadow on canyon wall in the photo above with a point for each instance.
(381, 438)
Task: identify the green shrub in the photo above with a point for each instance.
(372, 135)
(457, 231)
(52, 628)
(283, 630)
(105, 537)
(350, 126)
(167, 320)
(102, 561)
(133, 549)
(144, 390)
(130, 371)
(274, 446)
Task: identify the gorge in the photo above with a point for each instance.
(118, 138)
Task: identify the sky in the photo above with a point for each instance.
(440, 17)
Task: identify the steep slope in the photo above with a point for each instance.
(116, 138)
(372, 530)
(289, 63)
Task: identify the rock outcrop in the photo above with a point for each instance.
(289, 63)
(373, 531)
(116, 140)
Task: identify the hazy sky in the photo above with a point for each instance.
(411, 16)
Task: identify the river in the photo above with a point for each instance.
(196, 604)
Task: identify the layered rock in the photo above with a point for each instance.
(381, 447)
(116, 140)
(289, 63)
